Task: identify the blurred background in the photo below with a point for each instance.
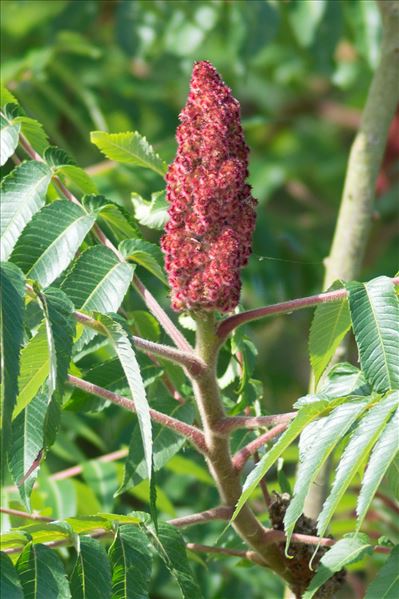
(301, 71)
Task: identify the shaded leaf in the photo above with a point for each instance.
(112, 218)
(42, 573)
(128, 148)
(152, 214)
(23, 193)
(91, 576)
(355, 454)
(50, 241)
(330, 324)
(374, 309)
(126, 355)
(166, 443)
(62, 164)
(146, 254)
(170, 546)
(131, 563)
(10, 585)
(27, 442)
(12, 331)
(346, 551)
(386, 584)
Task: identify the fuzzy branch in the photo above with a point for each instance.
(191, 433)
(232, 322)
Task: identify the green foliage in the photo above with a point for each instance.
(330, 324)
(386, 584)
(300, 71)
(348, 550)
(375, 314)
(128, 148)
(23, 193)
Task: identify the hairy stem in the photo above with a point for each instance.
(219, 457)
(232, 322)
(357, 204)
(191, 433)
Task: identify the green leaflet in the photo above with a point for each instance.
(330, 324)
(35, 368)
(91, 576)
(346, 551)
(23, 193)
(316, 443)
(126, 355)
(10, 585)
(12, 316)
(383, 454)
(115, 221)
(355, 455)
(166, 443)
(374, 310)
(98, 282)
(386, 584)
(101, 477)
(146, 254)
(27, 442)
(129, 148)
(49, 242)
(152, 214)
(169, 544)
(131, 563)
(305, 415)
(42, 575)
(9, 139)
(61, 163)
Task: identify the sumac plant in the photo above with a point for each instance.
(81, 332)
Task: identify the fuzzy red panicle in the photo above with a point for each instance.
(211, 212)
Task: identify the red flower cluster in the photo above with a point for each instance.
(212, 211)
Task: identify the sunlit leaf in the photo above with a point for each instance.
(131, 563)
(50, 241)
(386, 584)
(152, 214)
(42, 574)
(128, 148)
(23, 193)
(9, 139)
(91, 576)
(374, 310)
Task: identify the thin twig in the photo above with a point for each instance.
(232, 423)
(232, 322)
(26, 515)
(222, 512)
(249, 555)
(187, 359)
(241, 457)
(191, 433)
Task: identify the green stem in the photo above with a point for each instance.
(218, 449)
(355, 213)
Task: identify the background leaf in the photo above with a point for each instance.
(151, 214)
(10, 585)
(386, 583)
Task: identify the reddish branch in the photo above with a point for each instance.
(246, 452)
(191, 433)
(232, 322)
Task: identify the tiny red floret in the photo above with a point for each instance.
(212, 211)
